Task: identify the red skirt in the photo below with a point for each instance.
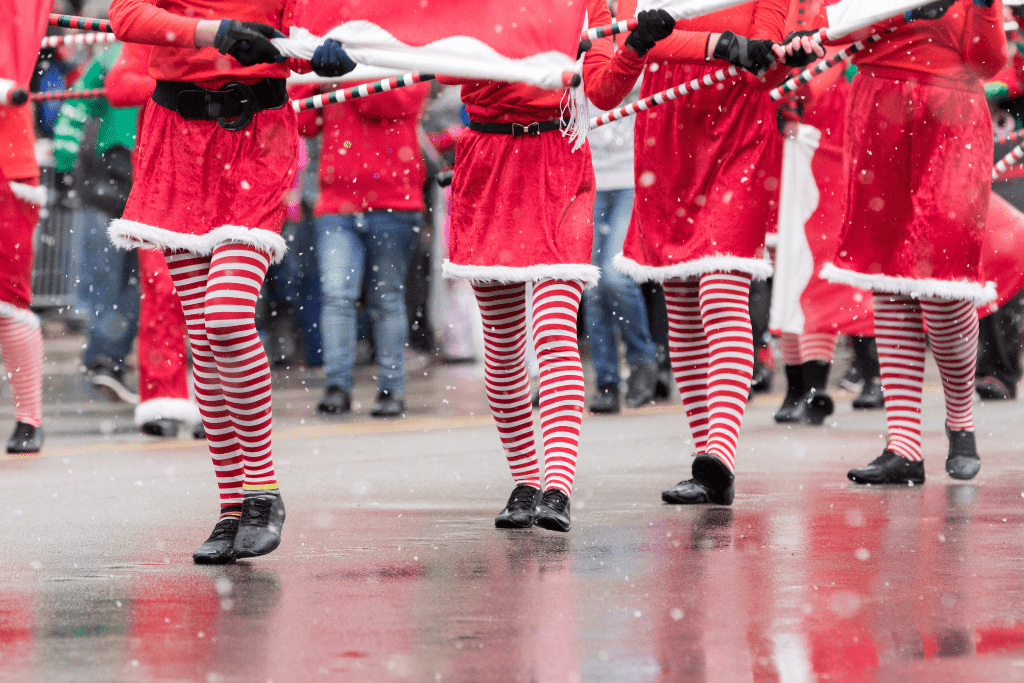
(522, 209)
(707, 180)
(920, 173)
(19, 213)
(198, 186)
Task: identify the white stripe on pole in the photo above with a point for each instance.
(78, 39)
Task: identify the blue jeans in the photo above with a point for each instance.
(108, 284)
(380, 245)
(296, 281)
(617, 300)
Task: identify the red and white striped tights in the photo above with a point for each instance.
(798, 349)
(232, 376)
(21, 343)
(556, 305)
(712, 351)
(952, 329)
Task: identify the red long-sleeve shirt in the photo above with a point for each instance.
(370, 156)
(128, 83)
(608, 76)
(170, 25)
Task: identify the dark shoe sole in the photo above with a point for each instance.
(211, 559)
(242, 554)
(551, 523)
(509, 524)
(963, 468)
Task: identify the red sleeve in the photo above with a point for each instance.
(681, 46)
(984, 41)
(141, 21)
(128, 84)
(608, 74)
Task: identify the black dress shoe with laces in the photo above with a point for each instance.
(335, 401)
(712, 482)
(553, 511)
(219, 547)
(520, 509)
(605, 400)
(388, 404)
(259, 531)
(963, 461)
(25, 439)
(889, 468)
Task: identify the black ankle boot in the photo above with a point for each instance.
(219, 548)
(712, 482)
(520, 508)
(792, 409)
(553, 511)
(605, 400)
(963, 461)
(889, 468)
(259, 531)
(871, 396)
(817, 403)
(25, 439)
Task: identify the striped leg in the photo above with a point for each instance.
(899, 335)
(236, 275)
(556, 305)
(503, 310)
(725, 312)
(189, 273)
(820, 346)
(21, 342)
(952, 328)
(688, 351)
(790, 343)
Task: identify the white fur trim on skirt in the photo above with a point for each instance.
(757, 267)
(180, 409)
(30, 194)
(583, 272)
(132, 235)
(923, 288)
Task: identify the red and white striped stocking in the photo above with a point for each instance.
(688, 351)
(820, 346)
(952, 328)
(899, 335)
(790, 344)
(21, 342)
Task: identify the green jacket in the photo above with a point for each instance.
(117, 126)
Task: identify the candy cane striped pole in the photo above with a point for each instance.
(80, 23)
(722, 75)
(84, 94)
(383, 85)
(821, 67)
(1015, 155)
(1016, 135)
(78, 39)
(609, 30)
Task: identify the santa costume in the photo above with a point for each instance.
(21, 340)
(919, 147)
(522, 203)
(706, 186)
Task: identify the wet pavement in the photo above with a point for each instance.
(391, 570)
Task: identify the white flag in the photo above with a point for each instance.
(688, 9)
(848, 16)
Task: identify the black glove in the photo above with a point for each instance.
(930, 12)
(751, 54)
(585, 46)
(248, 42)
(800, 57)
(652, 26)
(330, 60)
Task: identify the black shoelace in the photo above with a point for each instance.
(256, 511)
(522, 497)
(224, 529)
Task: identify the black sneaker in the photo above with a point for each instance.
(642, 385)
(520, 509)
(388, 404)
(889, 468)
(712, 482)
(605, 400)
(219, 547)
(111, 382)
(259, 531)
(25, 439)
(963, 461)
(164, 427)
(335, 401)
(553, 511)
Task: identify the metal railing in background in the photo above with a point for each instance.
(53, 267)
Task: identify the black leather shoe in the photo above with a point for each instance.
(520, 509)
(871, 397)
(963, 461)
(712, 482)
(642, 385)
(553, 511)
(259, 531)
(817, 406)
(889, 468)
(606, 400)
(388, 404)
(165, 427)
(792, 408)
(335, 401)
(219, 547)
(25, 439)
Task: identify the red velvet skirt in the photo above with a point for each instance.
(18, 219)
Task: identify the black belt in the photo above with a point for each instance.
(517, 129)
(234, 100)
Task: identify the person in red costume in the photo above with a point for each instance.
(163, 369)
(521, 211)
(216, 156)
(917, 198)
(706, 191)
